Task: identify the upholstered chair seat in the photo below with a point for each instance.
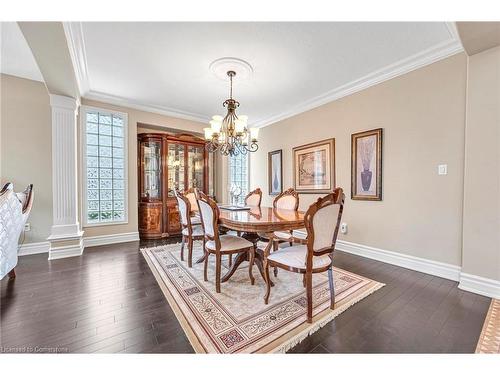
(295, 256)
(229, 242)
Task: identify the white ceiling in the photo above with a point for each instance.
(16, 57)
(164, 66)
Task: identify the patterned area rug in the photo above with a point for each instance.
(489, 341)
(237, 320)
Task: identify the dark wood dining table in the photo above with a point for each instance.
(254, 223)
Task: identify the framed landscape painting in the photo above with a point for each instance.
(275, 172)
(366, 165)
(314, 167)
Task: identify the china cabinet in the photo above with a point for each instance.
(166, 162)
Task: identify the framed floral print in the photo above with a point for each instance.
(366, 165)
(275, 172)
(314, 167)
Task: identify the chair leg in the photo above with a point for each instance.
(238, 233)
(230, 263)
(205, 266)
(309, 296)
(217, 271)
(268, 282)
(304, 280)
(332, 287)
(182, 247)
(275, 248)
(250, 264)
(12, 274)
(190, 252)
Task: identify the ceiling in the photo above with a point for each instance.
(16, 57)
(164, 66)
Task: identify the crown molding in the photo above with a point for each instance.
(406, 65)
(76, 45)
(452, 28)
(161, 110)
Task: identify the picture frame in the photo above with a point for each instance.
(366, 165)
(314, 167)
(275, 172)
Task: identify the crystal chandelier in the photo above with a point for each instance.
(230, 135)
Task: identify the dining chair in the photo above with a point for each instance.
(220, 244)
(254, 198)
(287, 200)
(322, 221)
(190, 231)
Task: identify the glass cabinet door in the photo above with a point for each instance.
(151, 151)
(175, 167)
(195, 169)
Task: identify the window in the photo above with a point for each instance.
(238, 175)
(104, 167)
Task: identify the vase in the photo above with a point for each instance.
(275, 184)
(366, 179)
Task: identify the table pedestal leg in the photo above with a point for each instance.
(258, 261)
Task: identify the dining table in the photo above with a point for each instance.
(256, 223)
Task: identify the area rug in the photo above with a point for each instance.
(489, 341)
(237, 320)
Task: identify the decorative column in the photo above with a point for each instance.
(66, 234)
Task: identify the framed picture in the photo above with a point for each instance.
(366, 165)
(314, 167)
(275, 172)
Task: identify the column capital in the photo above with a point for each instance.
(65, 102)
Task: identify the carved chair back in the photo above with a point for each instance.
(184, 210)
(209, 214)
(289, 200)
(254, 198)
(322, 221)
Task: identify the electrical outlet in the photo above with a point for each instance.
(343, 228)
(27, 227)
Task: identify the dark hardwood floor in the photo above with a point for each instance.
(108, 301)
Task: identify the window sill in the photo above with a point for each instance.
(104, 224)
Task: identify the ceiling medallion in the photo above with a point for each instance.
(230, 135)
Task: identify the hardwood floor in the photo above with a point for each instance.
(108, 301)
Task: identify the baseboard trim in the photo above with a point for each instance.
(110, 239)
(66, 251)
(43, 247)
(431, 267)
(479, 285)
(34, 248)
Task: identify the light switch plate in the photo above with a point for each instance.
(442, 169)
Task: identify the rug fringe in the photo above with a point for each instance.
(294, 341)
